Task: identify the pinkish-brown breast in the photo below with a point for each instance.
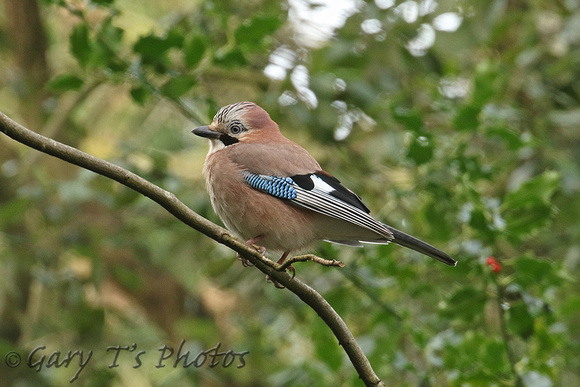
(249, 212)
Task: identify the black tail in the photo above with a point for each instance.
(413, 243)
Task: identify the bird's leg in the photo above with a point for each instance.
(251, 242)
(289, 268)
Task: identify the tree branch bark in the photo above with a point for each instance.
(174, 206)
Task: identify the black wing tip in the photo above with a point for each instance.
(434, 253)
(448, 260)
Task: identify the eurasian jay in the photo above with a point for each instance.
(274, 194)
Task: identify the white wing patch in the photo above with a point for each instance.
(321, 185)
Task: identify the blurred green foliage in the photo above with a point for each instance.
(468, 139)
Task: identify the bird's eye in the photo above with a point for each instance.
(236, 129)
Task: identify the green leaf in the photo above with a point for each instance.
(176, 87)
(80, 45)
(230, 59)
(511, 138)
(480, 222)
(435, 213)
(528, 208)
(467, 118)
(110, 35)
(493, 356)
(107, 44)
(569, 308)
(151, 46)
(485, 84)
(410, 119)
(539, 189)
(530, 271)
(520, 321)
(104, 3)
(193, 51)
(154, 48)
(65, 82)
(254, 30)
(466, 304)
(140, 94)
(521, 223)
(546, 340)
(420, 150)
(473, 167)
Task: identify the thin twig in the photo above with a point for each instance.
(174, 206)
(506, 338)
(306, 258)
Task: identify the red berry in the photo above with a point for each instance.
(495, 265)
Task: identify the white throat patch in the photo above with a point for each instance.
(215, 145)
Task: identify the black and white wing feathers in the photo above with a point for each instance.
(321, 193)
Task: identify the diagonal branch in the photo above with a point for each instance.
(174, 206)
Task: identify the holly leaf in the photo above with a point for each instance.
(80, 45)
(193, 51)
(177, 86)
(528, 208)
(65, 82)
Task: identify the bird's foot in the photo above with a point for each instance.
(289, 268)
(277, 284)
(252, 242)
(245, 262)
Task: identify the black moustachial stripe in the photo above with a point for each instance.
(228, 140)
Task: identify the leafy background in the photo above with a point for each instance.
(456, 121)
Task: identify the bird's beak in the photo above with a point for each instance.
(205, 131)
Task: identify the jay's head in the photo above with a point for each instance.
(238, 123)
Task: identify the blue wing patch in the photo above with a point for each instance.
(280, 187)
